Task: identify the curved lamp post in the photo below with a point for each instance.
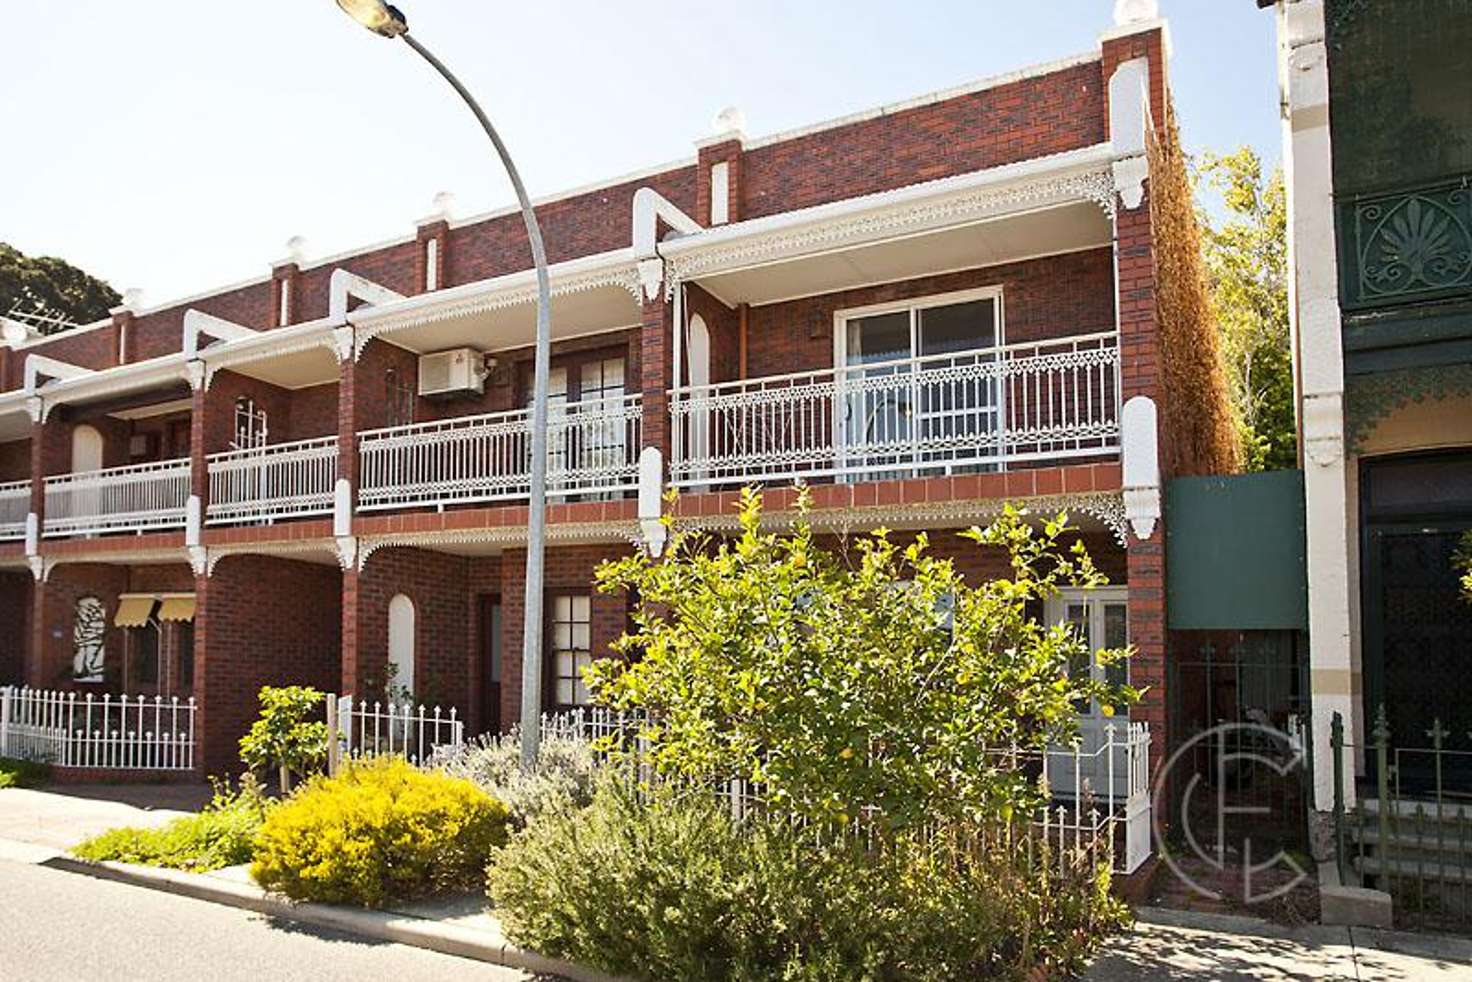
(388, 21)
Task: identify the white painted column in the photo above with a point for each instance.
(1319, 364)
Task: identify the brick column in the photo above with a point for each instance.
(656, 371)
(36, 650)
(352, 670)
(726, 150)
(347, 470)
(1141, 375)
(199, 474)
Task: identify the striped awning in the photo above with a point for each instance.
(179, 608)
(133, 610)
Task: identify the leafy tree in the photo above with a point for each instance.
(51, 288)
(1246, 254)
(840, 683)
(285, 737)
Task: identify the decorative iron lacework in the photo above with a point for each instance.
(1409, 245)
(1096, 186)
(1369, 399)
(1105, 506)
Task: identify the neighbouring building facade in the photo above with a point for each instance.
(320, 477)
(1378, 153)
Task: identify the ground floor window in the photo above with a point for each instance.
(572, 650)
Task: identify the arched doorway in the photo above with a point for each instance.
(401, 630)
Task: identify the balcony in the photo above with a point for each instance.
(269, 483)
(15, 505)
(592, 449)
(975, 410)
(120, 499)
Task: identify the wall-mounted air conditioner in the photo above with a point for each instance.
(457, 372)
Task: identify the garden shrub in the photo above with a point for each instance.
(674, 889)
(22, 773)
(380, 831)
(563, 778)
(219, 836)
(285, 738)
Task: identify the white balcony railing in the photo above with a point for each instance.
(973, 410)
(120, 499)
(592, 449)
(15, 505)
(286, 480)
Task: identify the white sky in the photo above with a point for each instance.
(175, 145)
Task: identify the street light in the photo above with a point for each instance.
(388, 21)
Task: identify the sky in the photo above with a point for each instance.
(176, 145)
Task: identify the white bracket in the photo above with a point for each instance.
(651, 498)
(1129, 121)
(198, 324)
(344, 286)
(1140, 450)
(198, 560)
(39, 367)
(40, 568)
(347, 551)
(36, 409)
(649, 208)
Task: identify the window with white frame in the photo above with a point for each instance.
(572, 648)
(919, 381)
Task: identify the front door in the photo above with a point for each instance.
(490, 663)
(1099, 767)
(1417, 625)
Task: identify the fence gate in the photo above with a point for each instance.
(1237, 776)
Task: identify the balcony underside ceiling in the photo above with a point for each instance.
(592, 311)
(291, 369)
(15, 422)
(1067, 228)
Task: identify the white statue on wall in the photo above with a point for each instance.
(88, 636)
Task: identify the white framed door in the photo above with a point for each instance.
(1101, 616)
(905, 399)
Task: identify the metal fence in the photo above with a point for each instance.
(399, 729)
(1410, 834)
(1098, 799)
(106, 732)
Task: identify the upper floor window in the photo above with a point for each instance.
(398, 398)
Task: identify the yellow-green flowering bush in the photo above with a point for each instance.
(381, 831)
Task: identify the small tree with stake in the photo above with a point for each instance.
(285, 737)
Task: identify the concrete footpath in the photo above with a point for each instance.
(36, 827)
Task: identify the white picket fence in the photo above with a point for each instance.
(1099, 798)
(399, 729)
(102, 732)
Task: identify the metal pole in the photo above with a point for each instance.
(531, 644)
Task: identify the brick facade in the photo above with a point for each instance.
(273, 619)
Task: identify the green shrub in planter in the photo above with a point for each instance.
(674, 889)
(381, 831)
(219, 836)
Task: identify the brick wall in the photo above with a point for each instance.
(291, 414)
(1032, 117)
(261, 621)
(15, 460)
(443, 658)
(1050, 297)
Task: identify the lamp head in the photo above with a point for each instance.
(381, 18)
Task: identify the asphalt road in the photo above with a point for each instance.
(64, 926)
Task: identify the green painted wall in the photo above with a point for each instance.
(1235, 552)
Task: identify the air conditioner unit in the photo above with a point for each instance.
(457, 372)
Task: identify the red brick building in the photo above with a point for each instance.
(923, 311)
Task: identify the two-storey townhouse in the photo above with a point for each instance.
(1378, 153)
(922, 311)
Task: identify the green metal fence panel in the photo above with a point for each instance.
(1235, 552)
